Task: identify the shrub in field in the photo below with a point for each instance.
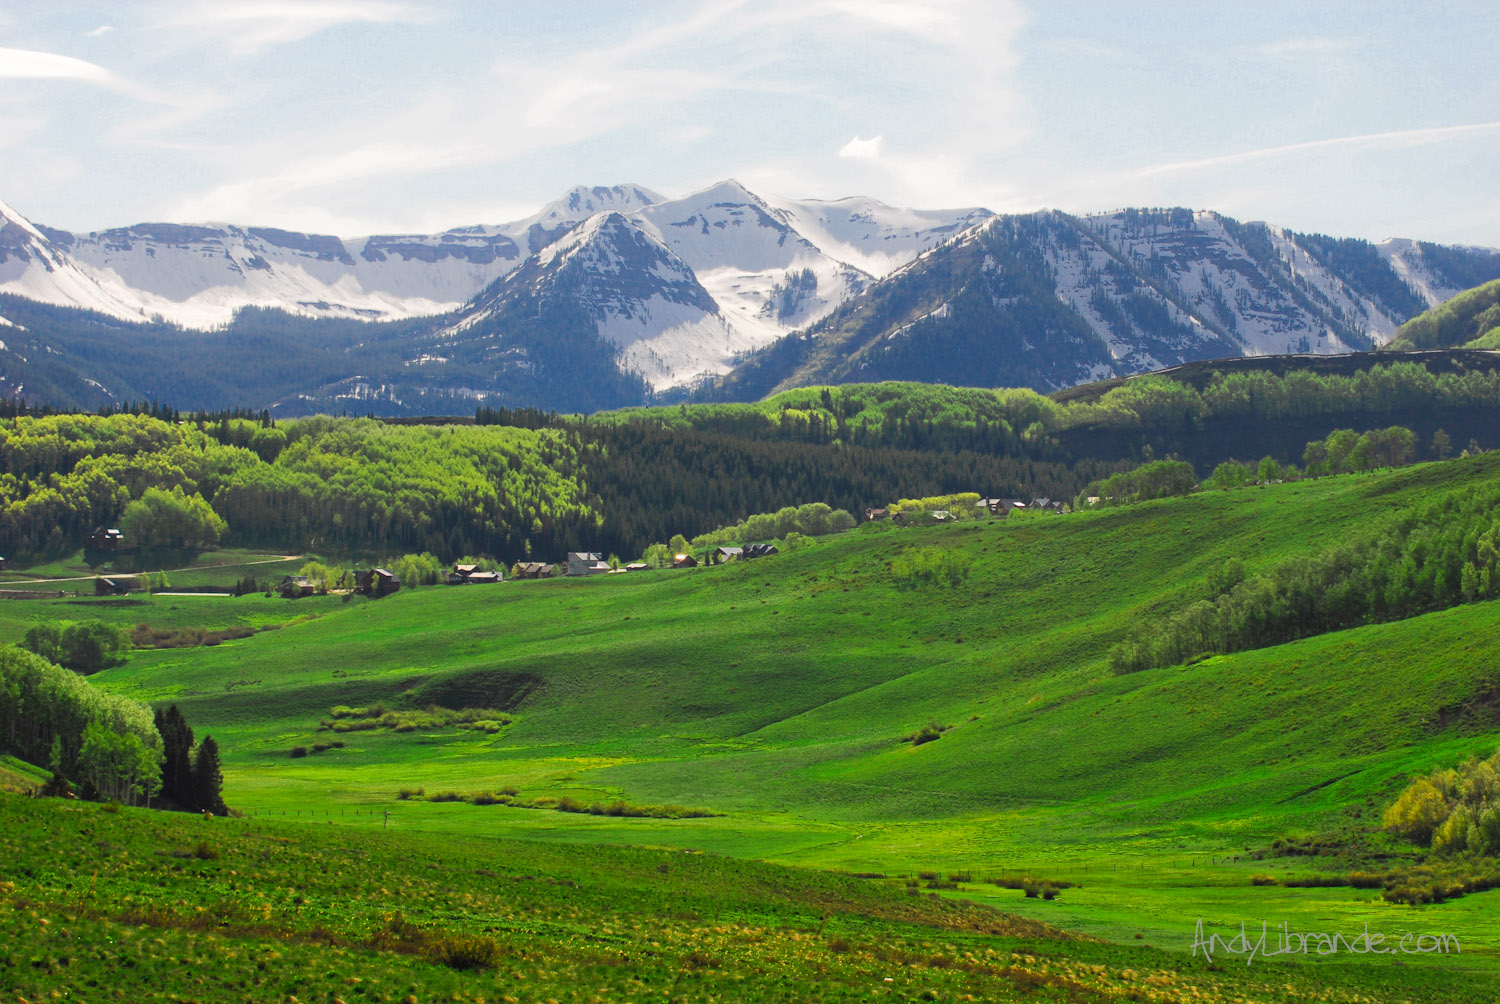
(406, 794)
(926, 734)
(146, 636)
(1023, 881)
(930, 566)
(1034, 888)
(377, 716)
(463, 951)
(298, 752)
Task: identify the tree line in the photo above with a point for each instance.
(107, 746)
(1430, 556)
(523, 484)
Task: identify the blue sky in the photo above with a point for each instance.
(376, 116)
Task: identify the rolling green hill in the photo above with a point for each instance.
(1470, 320)
(777, 693)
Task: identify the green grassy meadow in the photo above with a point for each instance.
(137, 905)
(220, 568)
(777, 693)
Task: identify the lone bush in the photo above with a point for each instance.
(927, 733)
(463, 951)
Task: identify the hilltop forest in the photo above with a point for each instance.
(517, 484)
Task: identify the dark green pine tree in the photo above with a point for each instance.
(177, 757)
(208, 779)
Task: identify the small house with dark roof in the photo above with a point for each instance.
(723, 554)
(464, 574)
(375, 582)
(684, 561)
(871, 515)
(637, 566)
(1000, 507)
(483, 578)
(761, 550)
(105, 539)
(295, 586)
(110, 587)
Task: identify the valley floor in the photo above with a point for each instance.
(781, 695)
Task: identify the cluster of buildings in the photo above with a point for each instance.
(383, 582)
(995, 507)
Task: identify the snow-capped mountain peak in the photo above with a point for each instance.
(581, 202)
(9, 219)
(674, 289)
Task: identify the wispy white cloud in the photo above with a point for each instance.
(862, 149)
(103, 29)
(158, 111)
(247, 26)
(1394, 138)
(30, 64)
(1304, 46)
(655, 81)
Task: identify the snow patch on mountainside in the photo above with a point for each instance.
(1333, 293)
(1406, 258)
(1218, 280)
(671, 344)
(870, 235)
(1409, 261)
(1078, 272)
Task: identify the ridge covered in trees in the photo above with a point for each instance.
(1471, 318)
(522, 484)
(1432, 554)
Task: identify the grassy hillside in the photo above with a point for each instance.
(778, 694)
(1470, 319)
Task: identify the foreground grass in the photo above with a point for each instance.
(135, 905)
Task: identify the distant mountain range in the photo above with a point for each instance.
(612, 296)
